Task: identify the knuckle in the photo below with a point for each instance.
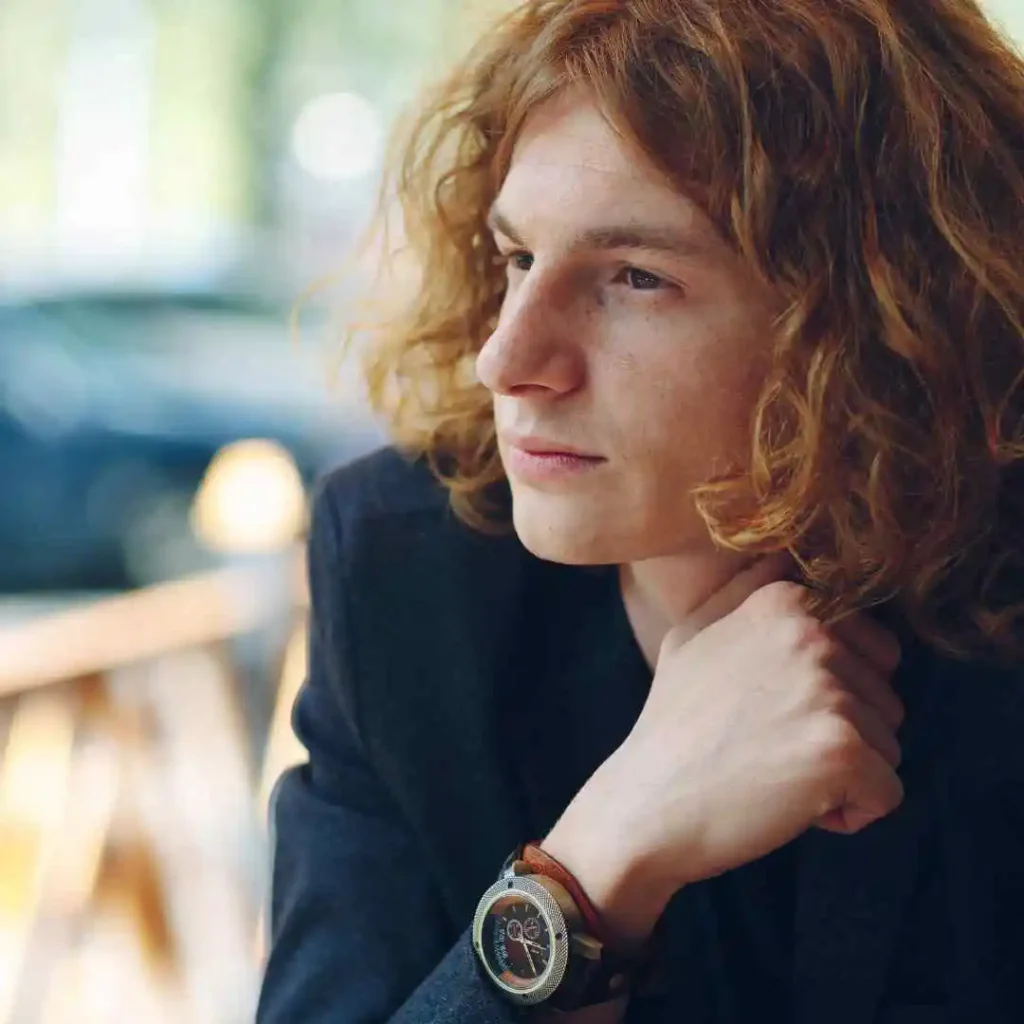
(839, 743)
(896, 794)
(675, 638)
(819, 691)
(893, 653)
(884, 642)
(834, 700)
(888, 797)
(781, 597)
(899, 711)
(808, 637)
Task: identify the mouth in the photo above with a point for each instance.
(541, 447)
(539, 461)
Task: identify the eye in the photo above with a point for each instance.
(642, 280)
(519, 260)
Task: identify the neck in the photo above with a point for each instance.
(661, 594)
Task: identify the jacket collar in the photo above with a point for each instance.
(584, 684)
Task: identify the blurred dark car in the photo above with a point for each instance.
(113, 406)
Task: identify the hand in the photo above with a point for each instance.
(761, 722)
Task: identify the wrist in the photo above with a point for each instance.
(622, 884)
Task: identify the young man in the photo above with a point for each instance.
(721, 302)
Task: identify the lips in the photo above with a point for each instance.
(542, 446)
(547, 463)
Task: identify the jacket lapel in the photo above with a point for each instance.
(581, 685)
(442, 683)
(853, 891)
(519, 660)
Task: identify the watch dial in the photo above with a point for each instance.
(517, 941)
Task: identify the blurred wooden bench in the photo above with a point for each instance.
(131, 860)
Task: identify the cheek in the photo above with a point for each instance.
(692, 410)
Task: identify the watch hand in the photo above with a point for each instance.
(533, 967)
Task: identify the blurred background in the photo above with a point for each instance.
(174, 176)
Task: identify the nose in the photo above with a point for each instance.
(534, 350)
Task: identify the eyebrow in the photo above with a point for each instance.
(653, 238)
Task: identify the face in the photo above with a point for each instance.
(630, 349)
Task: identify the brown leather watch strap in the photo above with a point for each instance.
(544, 864)
(590, 981)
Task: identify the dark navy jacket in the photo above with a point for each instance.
(451, 711)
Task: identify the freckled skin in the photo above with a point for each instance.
(652, 360)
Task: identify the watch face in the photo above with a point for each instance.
(516, 942)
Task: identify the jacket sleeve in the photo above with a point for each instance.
(357, 932)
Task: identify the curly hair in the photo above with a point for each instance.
(867, 158)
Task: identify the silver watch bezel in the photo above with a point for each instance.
(547, 984)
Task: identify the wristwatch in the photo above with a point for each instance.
(539, 940)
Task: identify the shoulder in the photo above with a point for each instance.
(385, 502)
(380, 485)
(413, 618)
(382, 513)
(394, 573)
(365, 510)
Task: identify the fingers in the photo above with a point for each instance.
(871, 640)
(864, 659)
(875, 731)
(874, 790)
(863, 679)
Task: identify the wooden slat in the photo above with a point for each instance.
(283, 749)
(146, 624)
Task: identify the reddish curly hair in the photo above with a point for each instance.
(867, 158)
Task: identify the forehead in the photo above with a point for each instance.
(571, 164)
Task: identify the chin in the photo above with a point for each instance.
(562, 531)
(593, 529)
